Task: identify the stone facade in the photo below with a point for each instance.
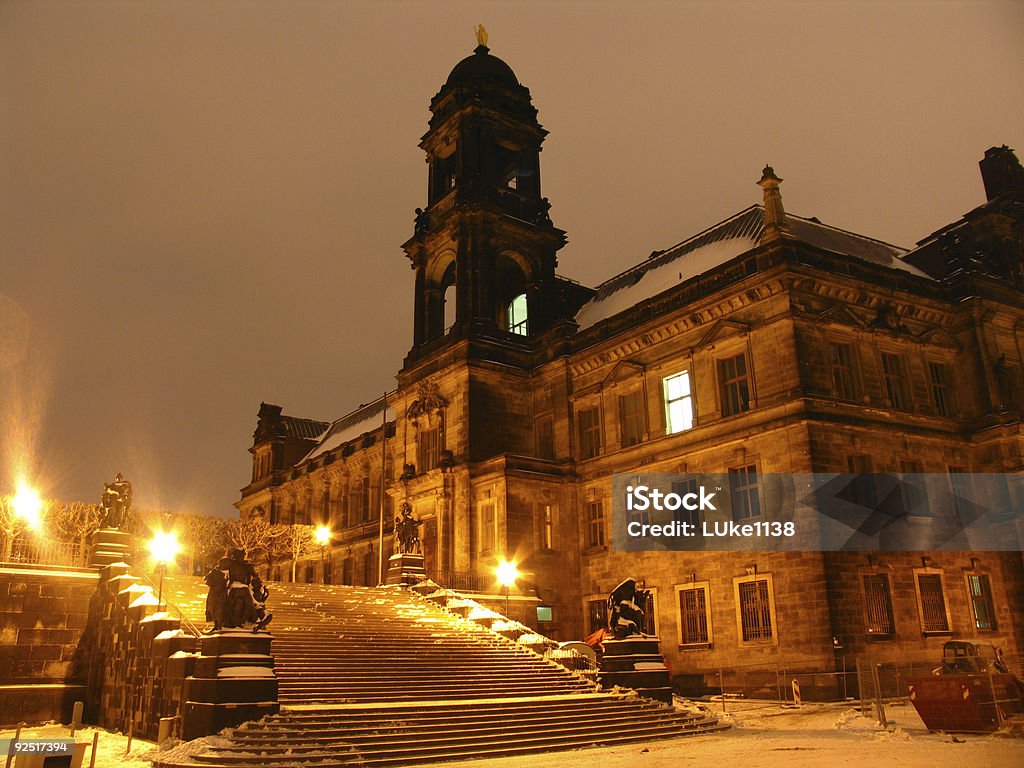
(802, 347)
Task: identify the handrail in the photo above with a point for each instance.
(193, 629)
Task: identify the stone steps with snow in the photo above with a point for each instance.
(385, 677)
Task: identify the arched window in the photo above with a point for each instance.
(517, 322)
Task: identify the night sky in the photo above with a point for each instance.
(202, 203)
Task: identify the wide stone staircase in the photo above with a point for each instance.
(384, 676)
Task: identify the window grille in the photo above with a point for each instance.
(693, 616)
(982, 608)
(878, 605)
(933, 603)
(755, 610)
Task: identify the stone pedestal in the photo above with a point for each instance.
(405, 569)
(109, 545)
(636, 662)
(232, 682)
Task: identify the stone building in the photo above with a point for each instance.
(767, 343)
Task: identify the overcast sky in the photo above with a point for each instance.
(202, 203)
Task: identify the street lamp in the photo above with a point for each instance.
(507, 574)
(163, 547)
(323, 536)
(29, 506)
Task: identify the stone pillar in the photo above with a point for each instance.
(110, 545)
(636, 662)
(405, 569)
(232, 682)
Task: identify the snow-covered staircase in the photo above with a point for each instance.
(382, 676)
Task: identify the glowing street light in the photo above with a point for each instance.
(322, 535)
(163, 548)
(29, 506)
(507, 574)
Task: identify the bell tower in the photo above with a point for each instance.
(484, 247)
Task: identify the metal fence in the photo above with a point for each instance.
(29, 551)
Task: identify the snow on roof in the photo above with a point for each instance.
(720, 244)
(366, 418)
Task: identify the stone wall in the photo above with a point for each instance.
(140, 657)
(43, 615)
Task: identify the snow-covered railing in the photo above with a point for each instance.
(186, 625)
(45, 552)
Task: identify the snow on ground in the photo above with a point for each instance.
(763, 735)
(110, 749)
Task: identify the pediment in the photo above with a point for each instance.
(623, 370)
(724, 329)
(940, 337)
(843, 315)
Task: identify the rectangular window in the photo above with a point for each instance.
(942, 392)
(756, 609)
(595, 524)
(894, 376)
(683, 515)
(735, 385)
(631, 418)
(931, 602)
(694, 616)
(678, 403)
(979, 591)
(878, 615)
(487, 526)
(428, 449)
(863, 489)
(744, 492)
(588, 421)
(547, 527)
(912, 491)
(844, 375)
(597, 615)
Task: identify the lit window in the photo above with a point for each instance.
(678, 403)
(517, 315)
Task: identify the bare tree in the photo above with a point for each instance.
(11, 524)
(74, 521)
(258, 539)
(300, 542)
(203, 537)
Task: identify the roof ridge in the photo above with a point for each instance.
(818, 223)
(649, 262)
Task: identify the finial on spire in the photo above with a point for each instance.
(481, 35)
(774, 213)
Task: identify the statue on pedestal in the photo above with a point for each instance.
(115, 503)
(407, 534)
(237, 597)
(625, 610)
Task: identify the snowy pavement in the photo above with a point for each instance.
(764, 735)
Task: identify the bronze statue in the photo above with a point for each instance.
(115, 503)
(407, 534)
(625, 610)
(237, 597)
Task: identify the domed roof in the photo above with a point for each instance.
(482, 67)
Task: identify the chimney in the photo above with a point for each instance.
(774, 213)
(1001, 172)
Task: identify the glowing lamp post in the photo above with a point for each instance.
(163, 547)
(507, 574)
(28, 506)
(323, 536)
